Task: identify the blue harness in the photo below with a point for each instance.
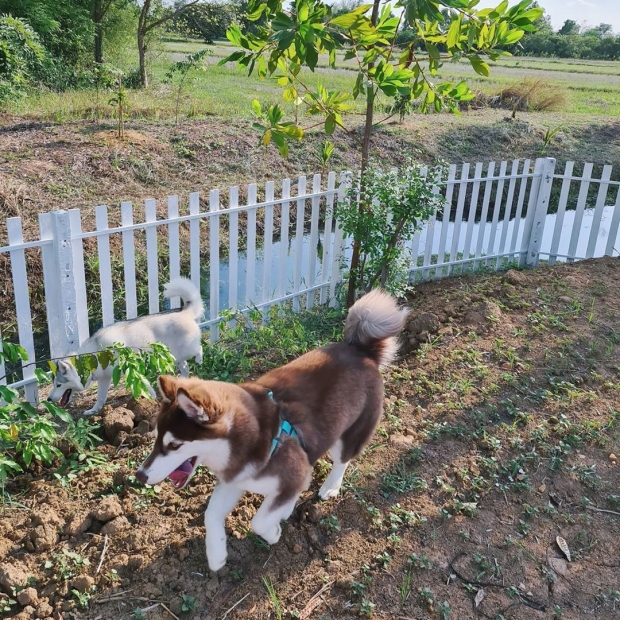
(285, 428)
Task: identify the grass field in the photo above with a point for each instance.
(591, 87)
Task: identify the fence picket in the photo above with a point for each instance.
(612, 235)
(233, 249)
(339, 241)
(328, 252)
(79, 274)
(152, 269)
(471, 216)
(174, 251)
(250, 255)
(581, 206)
(214, 262)
(428, 240)
(285, 220)
(267, 242)
(314, 239)
(488, 186)
(559, 217)
(194, 240)
(514, 170)
(497, 207)
(129, 262)
(458, 218)
(520, 203)
(598, 210)
(22, 304)
(445, 221)
(105, 265)
(299, 238)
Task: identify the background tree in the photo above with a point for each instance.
(294, 37)
(206, 21)
(570, 26)
(154, 14)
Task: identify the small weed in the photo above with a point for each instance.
(401, 479)
(443, 610)
(383, 559)
(188, 602)
(138, 614)
(366, 607)
(419, 561)
(331, 524)
(82, 598)
(273, 597)
(405, 588)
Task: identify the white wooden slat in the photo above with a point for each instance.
(613, 246)
(284, 226)
(79, 274)
(514, 170)
(22, 304)
(531, 212)
(50, 284)
(299, 238)
(445, 221)
(268, 243)
(598, 211)
(152, 269)
(233, 250)
(105, 265)
(429, 239)
(214, 262)
(581, 206)
(546, 169)
(559, 217)
(250, 271)
(497, 207)
(468, 248)
(339, 241)
(520, 202)
(174, 251)
(194, 240)
(314, 239)
(488, 185)
(328, 251)
(458, 218)
(129, 261)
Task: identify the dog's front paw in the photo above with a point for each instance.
(215, 563)
(327, 491)
(271, 534)
(90, 412)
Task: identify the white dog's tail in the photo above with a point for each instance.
(373, 323)
(188, 292)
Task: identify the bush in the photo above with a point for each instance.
(21, 54)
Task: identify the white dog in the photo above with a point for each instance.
(178, 330)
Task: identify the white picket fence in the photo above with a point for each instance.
(274, 250)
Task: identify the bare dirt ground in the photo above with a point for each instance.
(500, 433)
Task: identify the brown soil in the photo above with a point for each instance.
(501, 418)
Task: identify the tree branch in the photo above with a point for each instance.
(166, 18)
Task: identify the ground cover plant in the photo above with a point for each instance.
(501, 432)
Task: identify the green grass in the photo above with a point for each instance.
(592, 87)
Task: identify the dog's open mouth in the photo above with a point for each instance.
(64, 399)
(182, 473)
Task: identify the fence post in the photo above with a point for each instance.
(68, 324)
(346, 182)
(545, 167)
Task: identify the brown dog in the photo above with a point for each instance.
(265, 436)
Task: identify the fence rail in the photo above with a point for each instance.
(288, 248)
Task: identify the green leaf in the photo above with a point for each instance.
(454, 33)
(479, 66)
(116, 375)
(256, 107)
(330, 125)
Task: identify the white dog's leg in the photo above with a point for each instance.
(266, 522)
(198, 356)
(331, 486)
(183, 368)
(223, 499)
(103, 385)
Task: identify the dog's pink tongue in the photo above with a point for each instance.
(181, 473)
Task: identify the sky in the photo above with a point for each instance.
(585, 12)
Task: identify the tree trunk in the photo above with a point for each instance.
(357, 241)
(142, 30)
(98, 43)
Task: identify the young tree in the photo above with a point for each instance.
(445, 29)
(152, 15)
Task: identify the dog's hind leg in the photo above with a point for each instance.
(333, 482)
(183, 368)
(266, 522)
(104, 382)
(350, 445)
(223, 499)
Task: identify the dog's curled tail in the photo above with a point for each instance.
(188, 292)
(373, 324)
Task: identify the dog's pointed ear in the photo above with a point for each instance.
(167, 387)
(193, 410)
(63, 367)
